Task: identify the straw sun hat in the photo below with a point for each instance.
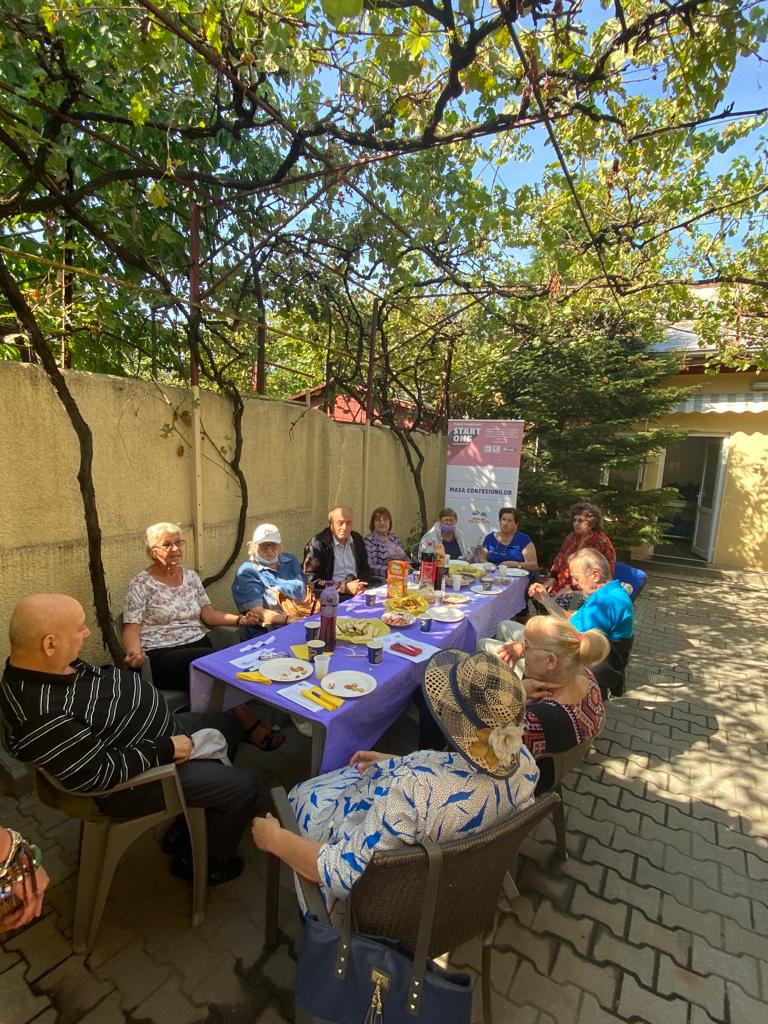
(478, 702)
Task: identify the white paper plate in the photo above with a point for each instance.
(452, 598)
(445, 613)
(478, 589)
(515, 572)
(347, 683)
(482, 566)
(285, 670)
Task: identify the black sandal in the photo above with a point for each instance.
(272, 741)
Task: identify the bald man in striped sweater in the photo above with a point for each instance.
(92, 728)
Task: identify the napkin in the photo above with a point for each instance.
(300, 651)
(254, 677)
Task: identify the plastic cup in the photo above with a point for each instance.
(425, 623)
(504, 570)
(370, 599)
(456, 582)
(322, 661)
(311, 631)
(439, 598)
(375, 651)
(315, 648)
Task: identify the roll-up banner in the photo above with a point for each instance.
(482, 473)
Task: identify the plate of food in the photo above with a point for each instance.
(285, 670)
(481, 567)
(456, 599)
(359, 631)
(347, 683)
(413, 604)
(399, 620)
(441, 613)
(480, 589)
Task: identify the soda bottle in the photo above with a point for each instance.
(439, 564)
(329, 605)
(427, 564)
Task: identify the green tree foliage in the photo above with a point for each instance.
(589, 384)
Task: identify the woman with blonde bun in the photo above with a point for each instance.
(564, 706)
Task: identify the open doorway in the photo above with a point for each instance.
(695, 468)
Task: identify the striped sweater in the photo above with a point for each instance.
(90, 730)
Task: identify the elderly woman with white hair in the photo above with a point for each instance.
(165, 611)
(270, 586)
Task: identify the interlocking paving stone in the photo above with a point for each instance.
(19, 1002)
(637, 960)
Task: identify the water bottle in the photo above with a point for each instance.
(329, 605)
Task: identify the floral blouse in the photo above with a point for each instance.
(168, 616)
(396, 801)
(381, 552)
(573, 543)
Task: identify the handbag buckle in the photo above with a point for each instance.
(380, 978)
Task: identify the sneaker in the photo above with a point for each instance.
(219, 871)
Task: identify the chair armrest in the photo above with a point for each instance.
(313, 899)
(163, 771)
(284, 811)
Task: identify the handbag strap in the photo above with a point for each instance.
(426, 923)
(423, 936)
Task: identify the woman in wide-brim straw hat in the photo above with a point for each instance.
(380, 801)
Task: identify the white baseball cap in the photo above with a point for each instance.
(267, 533)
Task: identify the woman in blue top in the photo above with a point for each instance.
(268, 570)
(510, 546)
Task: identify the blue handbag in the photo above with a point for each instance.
(343, 977)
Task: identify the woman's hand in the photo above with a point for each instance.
(538, 590)
(264, 832)
(537, 689)
(134, 658)
(362, 759)
(511, 652)
(29, 905)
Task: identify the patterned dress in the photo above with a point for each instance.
(396, 801)
(552, 727)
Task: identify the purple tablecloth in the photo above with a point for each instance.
(358, 724)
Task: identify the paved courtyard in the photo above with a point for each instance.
(660, 913)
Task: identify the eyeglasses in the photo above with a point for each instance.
(582, 519)
(169, 545)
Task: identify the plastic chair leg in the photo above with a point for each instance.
(120, 835)
(198, 834)
(486, 967)
(93, 839)
(271, 902)
(558, 818)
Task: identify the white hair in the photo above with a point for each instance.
(157, 531)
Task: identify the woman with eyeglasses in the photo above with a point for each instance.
(587, 532)
(165, 610)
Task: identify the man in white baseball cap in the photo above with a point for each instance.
(269, 571)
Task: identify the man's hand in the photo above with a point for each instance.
(511, 652)
(29, 905)
(363, 758)
(356, 586)
(182, 748)
(134, 659)
(265, 832)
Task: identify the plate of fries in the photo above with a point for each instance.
(360, 631)
(412, 603)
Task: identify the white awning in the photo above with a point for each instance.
(752, 401)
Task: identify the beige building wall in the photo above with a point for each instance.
(742, 533)
(297, 462)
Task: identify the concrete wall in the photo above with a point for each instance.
(297, 463)
(742, 532)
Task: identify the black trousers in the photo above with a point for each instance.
(228, 794)
(170, 665)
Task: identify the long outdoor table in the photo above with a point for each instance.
(360, 722)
